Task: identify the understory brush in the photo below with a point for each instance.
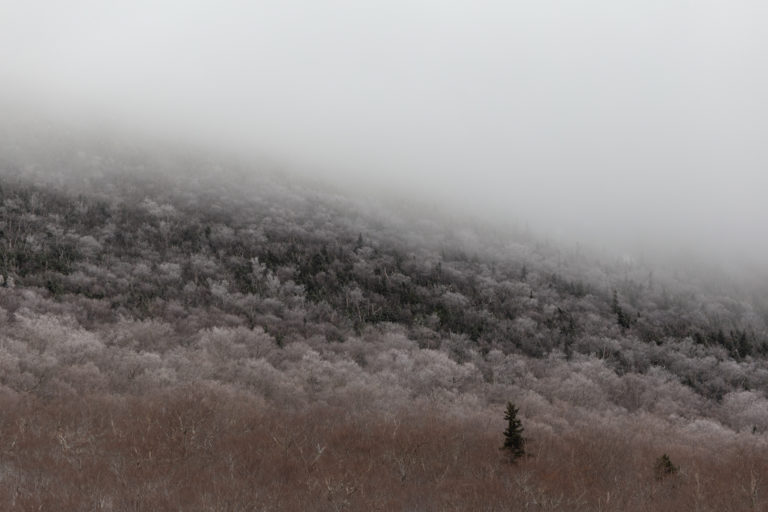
(219, 450)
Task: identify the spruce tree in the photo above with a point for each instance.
(514, 442)
(663, 467)
(622, 318)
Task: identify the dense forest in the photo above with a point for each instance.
(179, 332)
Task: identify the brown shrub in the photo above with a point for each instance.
(187, 449)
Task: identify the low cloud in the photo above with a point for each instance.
(635, 124)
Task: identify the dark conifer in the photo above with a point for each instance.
(663, 467)
(514, 442)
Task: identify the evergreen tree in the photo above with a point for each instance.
(615, 308)
(663, 467)
(514, 442)
(622, 318)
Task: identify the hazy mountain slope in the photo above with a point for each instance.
(170, 244)
(130, 274)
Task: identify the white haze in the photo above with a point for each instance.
(634, 123)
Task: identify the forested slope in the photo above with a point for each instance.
(130, 274)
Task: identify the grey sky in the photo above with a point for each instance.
(617, 119)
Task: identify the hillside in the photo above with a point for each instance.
(180, 331)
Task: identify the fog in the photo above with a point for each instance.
(637, 124)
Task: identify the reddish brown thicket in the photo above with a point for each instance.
(205, 450)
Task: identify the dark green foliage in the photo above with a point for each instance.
(663, 467)
(624, 321)
(738, 344)
(54, 286)
(622, 317)
(514, 442)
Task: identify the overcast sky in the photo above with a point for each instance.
(618, 119)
